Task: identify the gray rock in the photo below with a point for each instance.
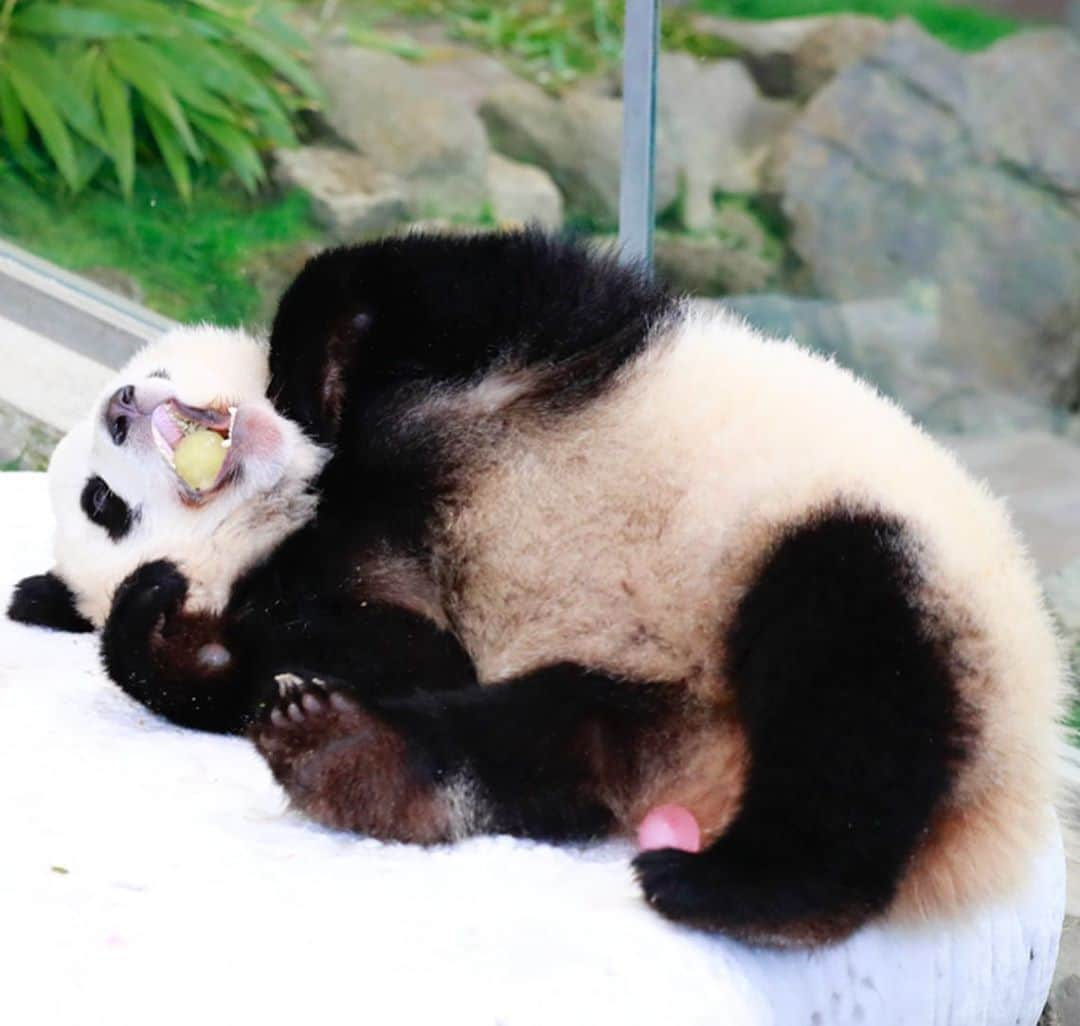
(895, 344)
(718, 128)
(737, 258)
(272, 270)
(817, 324)
(350, 196)
(898, 173)
(1009, 121)
(775, 36)
(892, 343)
(974, 411)
(466, 74)
(576, 140)
(1038, 473)
(523, 194)
(393, 114)
(830, 47)
(795, 56)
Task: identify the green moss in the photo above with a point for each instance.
(964, 28)
(190, 262)
(552, 42)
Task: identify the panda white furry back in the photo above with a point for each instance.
(625, 536)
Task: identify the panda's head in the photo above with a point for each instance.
(118, 500)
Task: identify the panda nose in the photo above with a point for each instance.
(118, 413)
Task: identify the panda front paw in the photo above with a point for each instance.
(144, 601)
(154, 589)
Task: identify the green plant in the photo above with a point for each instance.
(554, 42)
(97, 82)
(213, 260)
(964, 28)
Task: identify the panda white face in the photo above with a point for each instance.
(119, 501)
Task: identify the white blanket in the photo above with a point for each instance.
(153, 875)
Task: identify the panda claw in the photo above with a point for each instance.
(303, 717)
(287, 681)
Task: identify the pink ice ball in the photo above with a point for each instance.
(669, 826)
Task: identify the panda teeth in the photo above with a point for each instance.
(228, 435)
(162, 446)
(186, 426)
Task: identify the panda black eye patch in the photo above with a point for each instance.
(105, 508)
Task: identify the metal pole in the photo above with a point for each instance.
(636, 200)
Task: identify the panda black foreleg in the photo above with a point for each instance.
(175, 663)
(210, 671)
(539, 756)
(844, 687)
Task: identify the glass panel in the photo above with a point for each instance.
(900, 194)
(637, 191)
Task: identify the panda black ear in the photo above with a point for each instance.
(46, 601)
(342, 347)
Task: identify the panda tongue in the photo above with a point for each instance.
(166, 426)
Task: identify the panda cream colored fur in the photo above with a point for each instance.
(509, 539)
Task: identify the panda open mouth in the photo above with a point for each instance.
(196, 444)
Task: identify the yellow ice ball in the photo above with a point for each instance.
(198, 458)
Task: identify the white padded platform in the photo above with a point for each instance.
(153, 875)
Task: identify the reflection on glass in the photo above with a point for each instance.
(899, 192)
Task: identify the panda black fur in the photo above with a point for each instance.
(580, 550)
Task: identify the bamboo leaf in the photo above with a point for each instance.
(12, 116)
(223, 72)
(150, 18)
(115, 99)
(278, 58)
(283, 34)
(17, 131)
(88, 161)
(47, 121)
(82, 72)
(227, 74)
(59, 85)
(171, 147)
(180, 77)
(224, 75)
(240, 155)
(131, 63)
(66, 21)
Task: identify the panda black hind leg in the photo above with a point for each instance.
(854, 729)
(539, 756)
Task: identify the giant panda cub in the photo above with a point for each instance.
(510, 539)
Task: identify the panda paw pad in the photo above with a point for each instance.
(308, 712)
